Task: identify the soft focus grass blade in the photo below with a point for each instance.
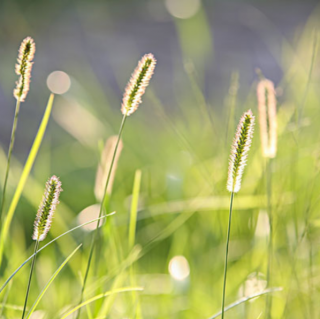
(134, 208)
(105, 308)
(106, 294)
(132, 235)
(244, 299)
(12, 307)
(50, 282)
(26, 171)
(53, 240)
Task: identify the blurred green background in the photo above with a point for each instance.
(180, 137)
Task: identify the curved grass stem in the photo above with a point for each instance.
(95, 234)
(270, 245)
(30, 277)
(226, 258)
(13, 135)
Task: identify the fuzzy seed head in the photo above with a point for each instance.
(47, 208)
(239, 151)
(23, 68)
(137, 85)
(267, 107)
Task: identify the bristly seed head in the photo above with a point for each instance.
(267, 106)
(137, 85)
(239, 151)
(23, 68)
(47, 208)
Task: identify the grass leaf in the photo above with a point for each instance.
(50, 282)
(245, 299)
(134, 208)
(26, 171)
(106, 294)
(49, 243)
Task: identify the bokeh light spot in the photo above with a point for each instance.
(58, 82)
(179, 268)
(182, 9)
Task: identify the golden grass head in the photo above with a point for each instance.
(104, 167)
(137, 85)
(239, 151)
(47, 208)
(267, 107)
(23, 68)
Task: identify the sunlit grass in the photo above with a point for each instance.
(171, 200)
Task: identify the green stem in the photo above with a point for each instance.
(226, 259)
(310, 277)
(30, 276)
(245, 299)
(270, 246)
(13, 135)
(95, 234)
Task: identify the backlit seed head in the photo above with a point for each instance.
(47, 208)
(267, 106)
(23, 68)
(137, 85)
(239, 151)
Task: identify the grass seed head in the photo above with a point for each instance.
(23, 68)
(267, 107)
(137, 85)
(47, 208)
(239, 151)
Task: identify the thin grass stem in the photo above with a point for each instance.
(226, 258)
(270, 244)
(245, 299)
(95, 234)
(46, 245)
(30, 277)
(13, 135)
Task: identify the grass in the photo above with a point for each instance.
(171, 199)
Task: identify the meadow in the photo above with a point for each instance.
(160, 250)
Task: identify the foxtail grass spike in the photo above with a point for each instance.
(47, 208)
(239, 151)
(23, 68)
(137, 85)
(267, 105)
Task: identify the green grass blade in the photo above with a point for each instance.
(11, 307)
(26, 171)
(245, 299)
(106, 294)
(49, 243)
(56, 273)
(132, 235)
(134, 208)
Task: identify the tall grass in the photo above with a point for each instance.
(131, 99)
(179, 208)
(23, 69)
(238, 160)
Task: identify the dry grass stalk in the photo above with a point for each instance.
(267, 106)
(105, 165)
